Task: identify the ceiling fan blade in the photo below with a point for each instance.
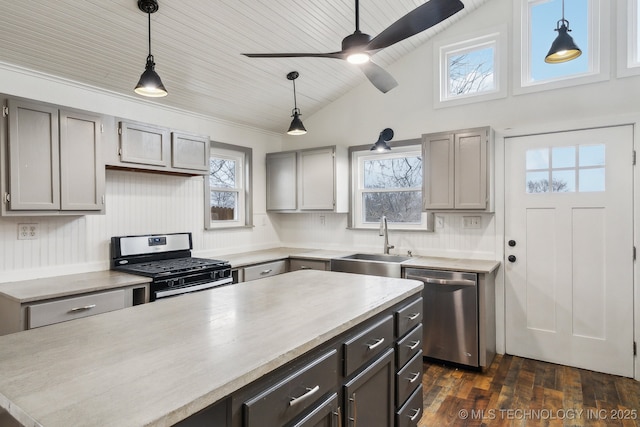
(419, 19)
(336, 55)
(378, 77)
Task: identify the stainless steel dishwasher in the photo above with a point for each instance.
(450, 317)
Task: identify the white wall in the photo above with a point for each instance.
(136, 203)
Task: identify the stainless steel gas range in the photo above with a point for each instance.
(166, 258)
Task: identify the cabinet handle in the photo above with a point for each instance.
(266, 271)
(414, 345)
(414, 378)
(414, 316)
(309, 393)
(378, 342)
(304, 267)
(415, 415)
(85, 308)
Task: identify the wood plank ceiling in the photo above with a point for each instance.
(197, 46)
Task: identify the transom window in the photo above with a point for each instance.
(536, 21)
(566, 169)
(628, 38)
(472, 69)
(388, 184)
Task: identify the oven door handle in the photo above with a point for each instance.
(177, 291)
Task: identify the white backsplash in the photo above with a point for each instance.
(329, 231)
(137, 203)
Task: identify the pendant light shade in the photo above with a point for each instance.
(381, 144)
(296, 127)
(150, 83)
(563, 48)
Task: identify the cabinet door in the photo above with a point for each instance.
(281, 181)
(189, 151)
(369, 396)
(267, 269)
(144, 144)
(438, 153)
(317, 179)
(307, 264)
(471, 170)
(82, 173)
(34, 156)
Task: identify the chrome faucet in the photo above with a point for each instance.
(384, 231)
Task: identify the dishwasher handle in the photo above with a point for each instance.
(443, 282)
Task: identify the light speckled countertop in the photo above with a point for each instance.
(60, 286)
(156, 364)
(438, 263)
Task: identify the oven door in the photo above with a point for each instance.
(160, 291)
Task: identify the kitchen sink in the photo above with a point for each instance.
(372, 264)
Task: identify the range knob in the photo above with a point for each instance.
(213, 274)
(170, 283)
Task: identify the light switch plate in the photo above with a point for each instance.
(471, 222)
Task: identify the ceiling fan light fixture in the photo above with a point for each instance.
(150, 83)
(358, 58)
(563, 48)
(296, 127)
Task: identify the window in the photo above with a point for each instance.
(569, 169)
(472, 69)
(537, 20)
(228, 187)
(629, 38)
(389, 184)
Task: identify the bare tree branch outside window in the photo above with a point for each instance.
(471, 72)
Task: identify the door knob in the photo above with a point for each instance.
(512, 243)
(511, 258)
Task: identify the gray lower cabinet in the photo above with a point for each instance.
(267, 269)
(307, 264)
(54, 160)
(369, 395)
(352, 380)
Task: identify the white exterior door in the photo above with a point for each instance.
(569, 248)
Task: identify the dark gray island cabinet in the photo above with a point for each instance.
(306, 348)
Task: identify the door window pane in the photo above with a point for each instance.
(563, 157)
(538, 159)
(563, 181)
(592, 155)
(537, 182)
(592, 179)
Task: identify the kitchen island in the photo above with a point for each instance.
(157, 364)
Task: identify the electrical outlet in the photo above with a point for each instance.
(472, 222)
(28, 231)
(439, 221)
(322, 220)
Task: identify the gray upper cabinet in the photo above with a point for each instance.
(314, 179)
(189, 151)
(146, 147)
(144, 144)
(54, 160)
(457, 173)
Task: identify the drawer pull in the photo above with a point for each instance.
(309, 393)
(414, 378)
(378, 342)
(414, 316)
(266, 271)
(304, 267)
(414, 345)
(85, 308)
(415, 415)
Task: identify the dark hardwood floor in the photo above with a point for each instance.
(523, 392)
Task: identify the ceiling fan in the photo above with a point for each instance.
(358, 47)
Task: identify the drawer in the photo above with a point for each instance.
(408, 317)
(305, 264)
(408, 346)
(264, 270)
(280, 403)
(367, 344)
(408, 378)
(47, 313)
(324, 414)
(411, 412)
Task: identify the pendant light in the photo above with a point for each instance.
(296, 128)
(381, 143)
(150, 83)
(563, 48)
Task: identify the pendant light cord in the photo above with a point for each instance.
(149, 15)
(357, 16)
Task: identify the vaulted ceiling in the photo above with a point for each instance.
(197, 46)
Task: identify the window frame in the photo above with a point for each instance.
(245, 191)
(498, 38)
(599, 41)
(628, 44)
(357, 154)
